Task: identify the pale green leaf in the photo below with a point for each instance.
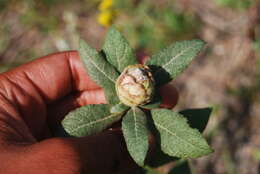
(89, 120)
(117, 50)
(170, 62)
(197, 118)
(177, 137)
(135, 131)
(100, 71)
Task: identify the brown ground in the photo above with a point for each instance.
(229, 67)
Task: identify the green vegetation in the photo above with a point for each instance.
(236, 4)
(152, 27)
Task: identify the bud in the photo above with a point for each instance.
(135, 86)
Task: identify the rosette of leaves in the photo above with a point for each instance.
(175, 136)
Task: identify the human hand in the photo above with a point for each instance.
(34, 98)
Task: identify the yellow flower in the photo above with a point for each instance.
(105, 4)
(106, 17)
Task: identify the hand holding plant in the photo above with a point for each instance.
(35, 97)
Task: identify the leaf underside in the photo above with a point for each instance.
(100, 71)
(135, 131)
(170, 62)
(118, 51)
(89, 120)
(178, 139)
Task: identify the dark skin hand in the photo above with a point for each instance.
(34, 98)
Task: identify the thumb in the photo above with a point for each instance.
(59, 109)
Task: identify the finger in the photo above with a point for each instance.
(52, 77)
(169, 96)
(59, 109)
(31, 86)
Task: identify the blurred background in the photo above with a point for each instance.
(225, 76)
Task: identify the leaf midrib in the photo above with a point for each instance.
(175, 57)
(135, 124)
(101, 70)
(174, 134)
(95, 122)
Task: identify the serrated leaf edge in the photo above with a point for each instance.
(95, 122)
(125, 44)
(182, 52)
(178, 55)
(172, 133)
(136, 136)
(206, 150)
(82, 42)
(113, 80)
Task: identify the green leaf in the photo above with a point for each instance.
(158, 158)
(170, 62)
(177, 137)
(100, 71)
(197, 118)
(118, 108)
(118, 51)
(89, 120)
(135, 131)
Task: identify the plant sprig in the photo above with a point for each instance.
(177, 137)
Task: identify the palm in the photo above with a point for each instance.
(34, 98)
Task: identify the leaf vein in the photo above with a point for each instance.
(95, 122)
(174, 57)
(117, 58)
(135, 123)
(172, 133)
(101, 70)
